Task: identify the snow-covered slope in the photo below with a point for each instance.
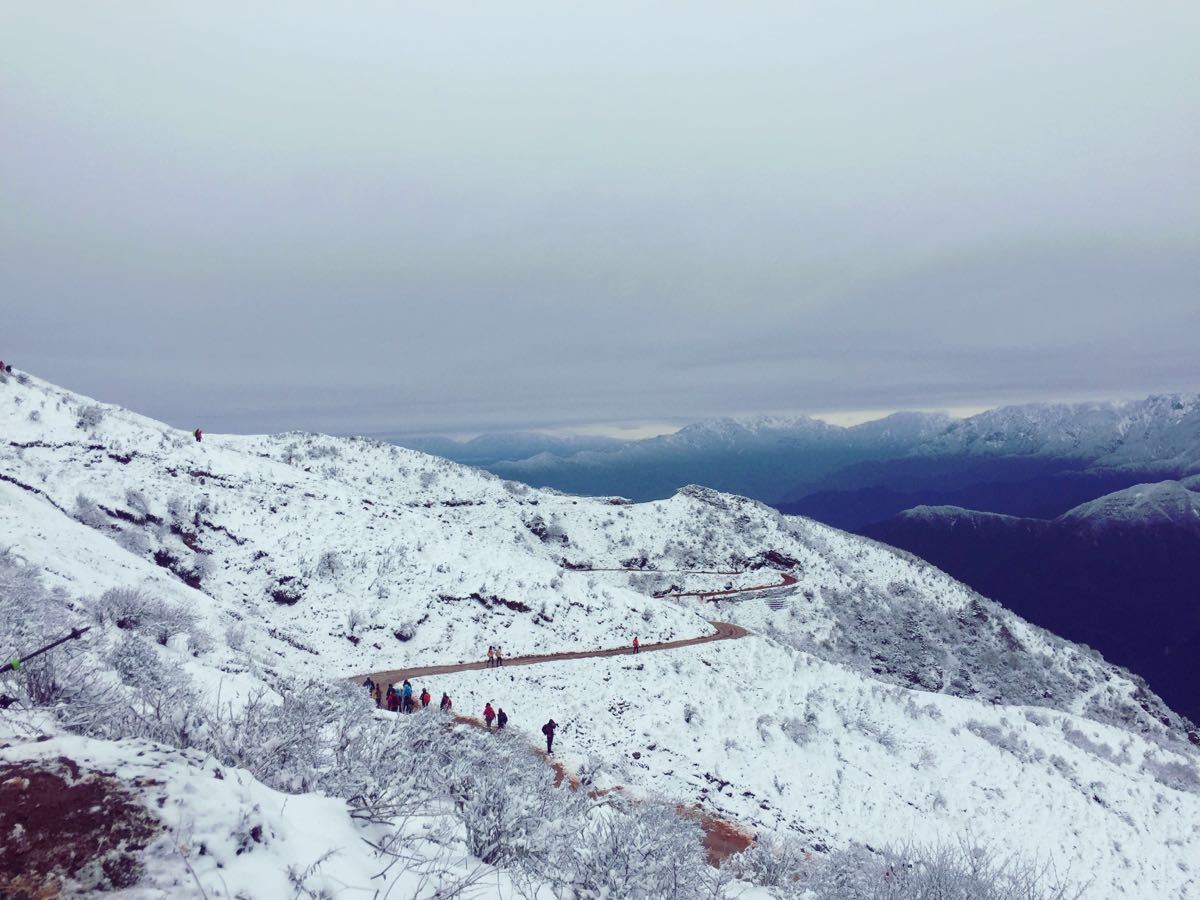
(1165, 503)
(876, 696)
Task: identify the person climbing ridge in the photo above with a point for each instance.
(197, 434)
(636, 645)
(489, 714)
(393, 699)
(377, 694)
(425, 697)
(501, 719)
(446, 702)
(548, 731)
(369, 684)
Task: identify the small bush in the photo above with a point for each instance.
(90, 417)
(133, 610)
(89, 513)
(947, 871)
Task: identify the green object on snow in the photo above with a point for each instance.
(16, 664)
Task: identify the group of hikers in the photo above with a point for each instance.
(500, 717)
(494, 656)
(402, 700)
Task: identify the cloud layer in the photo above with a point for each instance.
(430, 217)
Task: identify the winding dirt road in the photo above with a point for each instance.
(725, 631)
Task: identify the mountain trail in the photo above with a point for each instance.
(725, 631)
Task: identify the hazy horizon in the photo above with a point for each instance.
(426, 219)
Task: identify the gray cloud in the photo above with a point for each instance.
(412, 218)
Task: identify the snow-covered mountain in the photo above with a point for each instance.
(874, 700)
(757, 457)
(489, 448)
(787, 459)
(1160, 431)
(1118, 573)
(1174, 504)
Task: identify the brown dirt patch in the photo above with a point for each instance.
(722, 838)
(63, 831)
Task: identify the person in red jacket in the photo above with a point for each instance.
(446, 702)
(425, 698)
(488, 714)
(636, 645)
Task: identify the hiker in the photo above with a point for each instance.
(407, 695)
(501, 719)
(197, 434)
(499, 656)
(491, 656)
(425, 698)
(378, 695)
(636, 645)
(369, 684)
(489, 714)
(446, 702)
(548, 731)
(393, 699)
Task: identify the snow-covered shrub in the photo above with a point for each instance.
(945, 871)
(509, 803)
(136, 662)
(235, 636)
(62, 676)
(330, 564)
(770, 862)
(135, 541)
(23, 379)
(1102, 749)
(179, 509)
(354, 620)
(1178, 774)
(137, 502)
(643, 850)
(88, 513)
(89, 417)
(800, 731)
(35, 415)
(1005, 739)
(131, 609)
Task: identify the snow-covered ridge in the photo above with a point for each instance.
(877, 698)
(1149, 505)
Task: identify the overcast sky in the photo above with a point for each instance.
(415, 217)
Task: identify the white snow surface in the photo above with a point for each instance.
(881, 701)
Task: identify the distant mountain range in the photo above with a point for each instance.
(1121, 573)
(1038, 459)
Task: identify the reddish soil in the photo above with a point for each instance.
(66, 831)
(722, 838)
